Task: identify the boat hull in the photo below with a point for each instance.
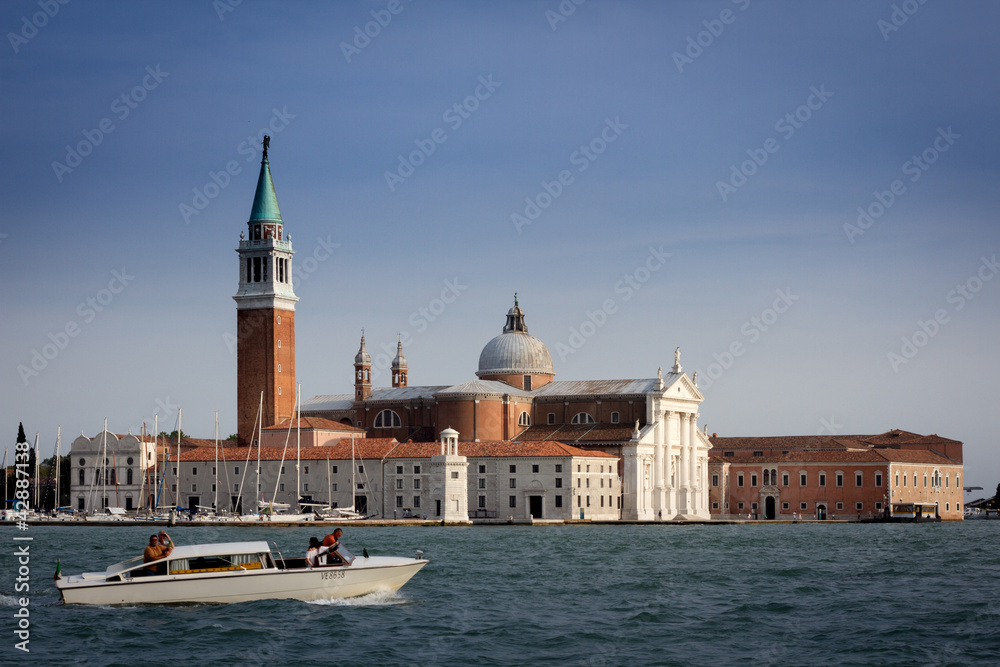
(322, 583)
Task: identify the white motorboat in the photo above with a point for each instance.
(236, 572)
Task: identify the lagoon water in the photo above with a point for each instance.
(804, 594)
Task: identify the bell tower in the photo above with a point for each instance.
(362, 373)
(265, 314)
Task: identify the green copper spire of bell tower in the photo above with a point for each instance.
(265, 203)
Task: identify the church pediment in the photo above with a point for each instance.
(682, 388)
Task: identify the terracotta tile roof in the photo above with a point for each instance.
(802, 456)
(314, 423)
(497, 448)
(880, 455)
(887, 439)
(915, 456)
(364, 448)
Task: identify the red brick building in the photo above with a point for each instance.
(826, 477)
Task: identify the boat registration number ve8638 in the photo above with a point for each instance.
(337, 574)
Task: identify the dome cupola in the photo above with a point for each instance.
(515, 356)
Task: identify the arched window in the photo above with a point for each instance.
(524, 419)
(128, 476)
(81, 477)
(582, 418)
(387, 419)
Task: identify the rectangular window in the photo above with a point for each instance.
(399, 470)
(513, 469)
(558, 501)
(840, 479)
(333, 487)
(840, 506)
(194, 488)
(715, 480)
(305, 487)
(784, 479)
(173, 488)
(454, 474)
(334, 471)
(602, 501)
(482, 470)
(588, 501)
(739, 479)
(194, 470)
(213, 470)
(715, 505)
(213, 488)
(802, 479)
(558, 467)
(858, 479)
(399, 501)
(753, 480)
(558, 482)
(513, 482)
(859, 506)
(416, 470)
(534, 467)
(527, 383)
(513, 501)
(236, 470)
(361, 469)
(552, 418)
(904, 480)
(282, 470)
(236, 488)
(822, 479)
(281, 486)
(803, 506)
(784, 506)
(739, 505)
(305, 470)
(482, 502)
(399, 483)
(416, 483)
(482, 482)
(416, 501)
(588, 482)
(878, 505)
(614, 417)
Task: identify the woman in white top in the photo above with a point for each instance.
(314, 552)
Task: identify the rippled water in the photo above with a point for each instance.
(801, 594)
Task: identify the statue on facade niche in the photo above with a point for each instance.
(267, 142)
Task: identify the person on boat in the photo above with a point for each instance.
(331, 542)
(160, 546)
(315, 552)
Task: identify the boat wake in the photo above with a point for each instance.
(374, 599)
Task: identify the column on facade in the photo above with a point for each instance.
(658, 490)
(692, 426)
(683, 477)
(670, 492)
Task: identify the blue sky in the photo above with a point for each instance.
(713, 156)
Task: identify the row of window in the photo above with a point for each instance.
(390, 418)
(769, 479)
(935, 480)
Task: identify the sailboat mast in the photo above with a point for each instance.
(177, 475)
(37, 504)
(298, 447)
(215, 501)
(260, 426)
(156, 460)
(58, 467)
(353, 508)
(104, 466)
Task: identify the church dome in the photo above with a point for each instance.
(515, 351)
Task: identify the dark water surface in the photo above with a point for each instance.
(805, 594)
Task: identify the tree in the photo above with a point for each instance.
(173, 434)
(233, 436)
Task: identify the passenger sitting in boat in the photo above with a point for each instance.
(331, 541)
(314, 552)
(160, 546)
